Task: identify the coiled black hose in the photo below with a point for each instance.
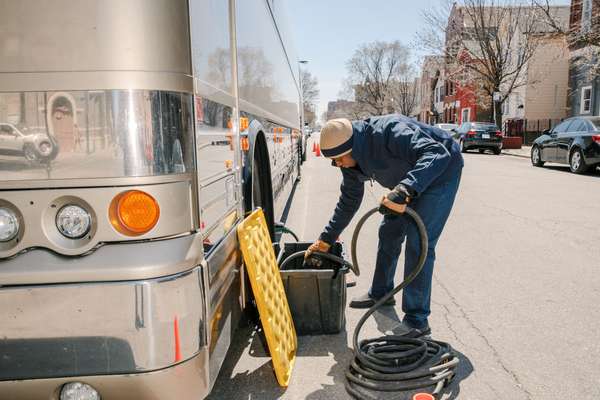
(394, 363)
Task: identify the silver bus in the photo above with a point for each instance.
(134, 137)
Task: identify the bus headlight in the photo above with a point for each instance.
(73, 222)
(9, 224)
(78, 391)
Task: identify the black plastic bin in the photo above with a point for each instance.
(317, 297)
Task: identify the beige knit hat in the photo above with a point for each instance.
(336, 138)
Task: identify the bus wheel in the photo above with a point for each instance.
(259, 190)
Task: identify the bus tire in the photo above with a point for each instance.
(258, 189)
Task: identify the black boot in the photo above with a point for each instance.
(407, 329)
(366, 301)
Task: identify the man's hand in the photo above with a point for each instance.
(387, 203)
(396, 200)
(319, 245)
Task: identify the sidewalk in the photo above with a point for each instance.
(524, 152)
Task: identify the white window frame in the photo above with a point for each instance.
(462, 115)
(582, 108)
(586, 16)
(506, 106)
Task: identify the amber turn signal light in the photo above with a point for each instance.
(134, 212)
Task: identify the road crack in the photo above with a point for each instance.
(449, 324)
(479, 333)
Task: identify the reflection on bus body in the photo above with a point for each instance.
(97, 134)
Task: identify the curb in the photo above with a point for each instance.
(508, 153)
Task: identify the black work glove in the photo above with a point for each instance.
(401, 195)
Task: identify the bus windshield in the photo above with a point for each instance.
(95, 134)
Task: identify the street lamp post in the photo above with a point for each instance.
(302, 122)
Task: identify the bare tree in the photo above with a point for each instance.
(310, 96)
(255, 75)
(404, 93)
(583, 37)
(374, 71)
(487, 45)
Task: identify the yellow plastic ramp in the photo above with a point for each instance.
(267, 286)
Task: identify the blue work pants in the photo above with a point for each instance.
(434, 206)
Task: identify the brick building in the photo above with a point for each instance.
(462, 103)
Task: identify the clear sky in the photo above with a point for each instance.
(326, 33)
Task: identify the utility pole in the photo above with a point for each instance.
(302, 122)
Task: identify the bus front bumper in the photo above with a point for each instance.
(119, 337)
(186, 380)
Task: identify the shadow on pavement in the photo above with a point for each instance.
(258, 384)
(387, 321)
(465, 368)
(593, 172)
(337, 345)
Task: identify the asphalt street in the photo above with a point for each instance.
(516, 288)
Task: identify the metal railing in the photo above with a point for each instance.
(529, 129)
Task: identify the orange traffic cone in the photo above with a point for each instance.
(314, 147)
(318, 152)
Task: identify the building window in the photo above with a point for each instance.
(521, 56)
(506, 106)
(466, 115)
(586, 16)
(586, 100)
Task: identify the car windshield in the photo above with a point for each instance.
(595, 122)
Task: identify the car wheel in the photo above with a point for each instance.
(463, 149)
(30, 153)
(536, 157)
(497, 151)
(481, 151)
(577, 163)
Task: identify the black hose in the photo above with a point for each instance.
(327, 256)
(394, 363)
(284, 229)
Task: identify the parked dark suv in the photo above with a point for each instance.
(575, 142)
(480, 135)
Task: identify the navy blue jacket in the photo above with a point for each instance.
(390, 150)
